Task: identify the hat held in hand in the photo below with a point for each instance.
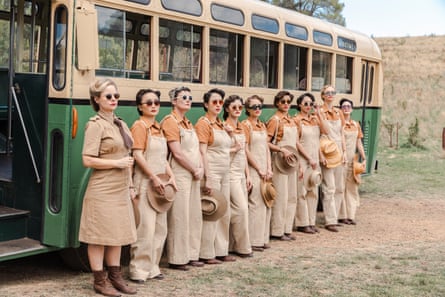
(287, 165)
(161, 202)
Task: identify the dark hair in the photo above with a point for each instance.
(229, 100)
(301, 97)
(174, 92)
(280, 96)
(343, 100)
(207, 95)
(141, 94)
(249, 99)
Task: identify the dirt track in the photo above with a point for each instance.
(394, 222)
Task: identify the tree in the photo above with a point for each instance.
(329, 10)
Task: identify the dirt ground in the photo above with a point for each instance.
(397, 222)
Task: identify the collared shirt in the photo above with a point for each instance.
(332, 114)
(283, 120)
(300, 120)
(139, 131)
(204, 129)
(354, 126)
(170, 126)
(249, 125)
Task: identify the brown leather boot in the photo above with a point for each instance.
(103, 286)
(115, 276)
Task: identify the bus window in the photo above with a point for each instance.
(263, 63)
(343, 74)
(123, 44)
(226, 57)
(295, 67)
(180, 49)
(192, 7)
(60, 27)
(227, 14)
(321, 69)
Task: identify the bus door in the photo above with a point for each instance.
(368, 113)
(23, 93)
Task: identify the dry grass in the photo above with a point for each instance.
(414, 86)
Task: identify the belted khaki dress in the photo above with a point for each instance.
(259, 213)
(215, 234)
(307, 201)
(146, 252)
(285, 205)
(107, 213)
(184, 219)
(239, 240)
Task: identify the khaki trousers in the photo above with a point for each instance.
(333, 192)
(147, 251)
(352, 197)
(307, 202)
(239, 240)
(284, 207)
(184, 220)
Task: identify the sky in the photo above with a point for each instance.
(395, 18)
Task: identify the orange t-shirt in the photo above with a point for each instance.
(204, 129)
(170, 126)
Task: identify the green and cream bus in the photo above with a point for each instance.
(52, 50)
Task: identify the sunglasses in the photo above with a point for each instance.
(284, 101)
(256, 107)
(215, 102)
(346, 107)
(116, 96)
(236, 107)
(185, 97)
(152, 102)
(330, 93)
(308, 104)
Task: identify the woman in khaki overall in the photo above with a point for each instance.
(309, 149)
(184, 219)
(260, 168)
(215, 143)
(281, 130)
(107, 220)
(333, 180)
(150, 153)
(239, 242)
(353, 136)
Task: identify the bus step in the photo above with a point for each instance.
(13, 223)
(22, 247)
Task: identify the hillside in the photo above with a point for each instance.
(414, 87)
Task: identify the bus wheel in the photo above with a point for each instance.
(77, 258)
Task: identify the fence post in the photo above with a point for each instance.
(443, 139)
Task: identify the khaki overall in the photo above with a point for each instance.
(285, 205)
(185, 216)
(215, 234)
(259, 213)
(352, 198)
(152, 230)
(333, 180)
(239, 222)
(307, 200)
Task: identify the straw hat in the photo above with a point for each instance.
(331, 152)
(161, 203)
(311, 179)
(268, 192)
(213, 206)
(357, 169)
(289, 165)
